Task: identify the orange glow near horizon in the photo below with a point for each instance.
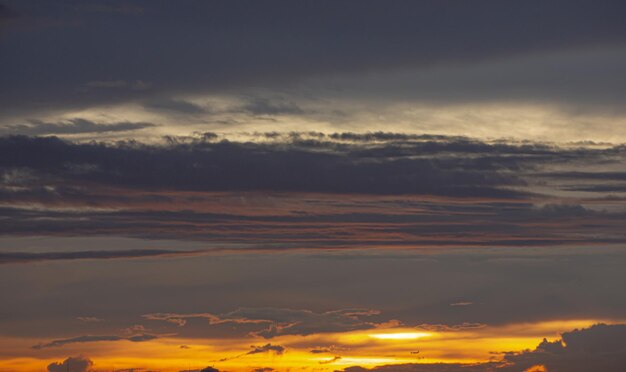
(400, 336)
(367, 348)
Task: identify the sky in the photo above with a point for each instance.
(322, 185)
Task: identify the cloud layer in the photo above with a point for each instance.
(601, 347)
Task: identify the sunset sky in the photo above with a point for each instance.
(316, 185)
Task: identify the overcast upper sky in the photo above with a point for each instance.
(312, 185)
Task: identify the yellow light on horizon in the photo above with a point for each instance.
(400, 336)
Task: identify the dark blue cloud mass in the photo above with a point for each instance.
(133, 50)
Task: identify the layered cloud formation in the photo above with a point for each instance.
(315, 190)
(355, 185)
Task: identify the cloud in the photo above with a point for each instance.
(71, 364)
(174, 105)
(601, 347)
(83, 339)
(209, 369)
(274, 322)
(331, 360)
(262, 47)
(107, 84)
(72, 126)
(321, 350)
(267, 348)
(179, 319)
(26, 257)
(271, 107)
(118, 84)
(125, 9)
(297, 167)
(89, 319)
(451, 328)
(462, 303)
(426, 367)
(337, 191)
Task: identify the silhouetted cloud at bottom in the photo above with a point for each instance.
(71, 364)
(601, 347)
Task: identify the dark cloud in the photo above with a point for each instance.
(427, 367)
(120, 8)
(222, 46)
(604, 176)
(388, 136)
(26, 257)
(321, 351)
(451, 328)
(136, 189)
(71, 364)
(601, 347)
(83, 339)
(72, 126)
(301, 166)
(267, 348)
(174, 106)
(266, 106)
(483, 224)
(207, 369)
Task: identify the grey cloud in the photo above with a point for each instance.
(303, 322)
(274, 322)
(123, 8)
(604, 176)
(137, 85)
(179, 319)
(72, 126)
(388, 136)
(451, 328)
(452, 224)
(71, 364)
(107, 84)
(267, 106)
(299, 166)
(83, 339)
(221, 46)
(601, 347)
(559, 283)
(26, 257)
(174, 106)
(589, 85)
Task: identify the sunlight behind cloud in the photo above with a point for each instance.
(400, 336)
